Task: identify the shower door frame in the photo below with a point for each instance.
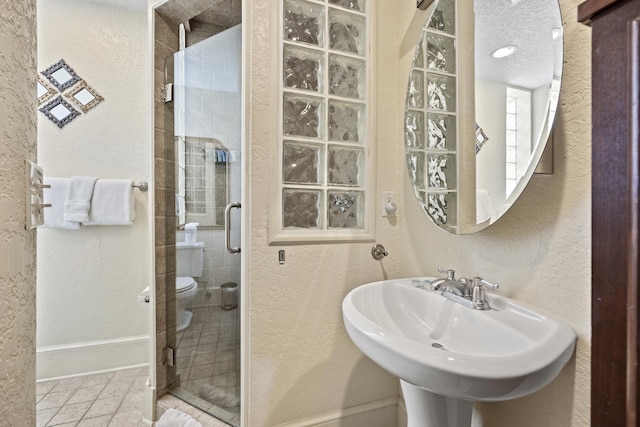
(156, 352)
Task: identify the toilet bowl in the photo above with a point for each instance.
(186, 288)
(189, 265)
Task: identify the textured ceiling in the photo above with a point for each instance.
(526, 24)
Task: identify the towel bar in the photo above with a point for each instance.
(142, 186)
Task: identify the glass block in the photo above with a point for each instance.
(304, 22)
(345, 166)
(442, 209)
(350, 4)
(303, 116)
(511, 105)
(415, 163)
(511, 171)
(413, 129)
(301, 208)
(441, 92)
(345, 209)
(441, 131)
(441, 53)
(443, 17)
(511, 138)
(511, 154)
(418, 60)
(346, 77)
(511, 122)
(415, 93)
(301, 163)
(442, 170)
(303, 69)
(347, 32)
(346, 121)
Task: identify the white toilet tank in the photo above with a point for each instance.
(189, 259)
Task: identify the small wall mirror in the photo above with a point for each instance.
(481, 102)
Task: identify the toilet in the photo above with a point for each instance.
(189, 265)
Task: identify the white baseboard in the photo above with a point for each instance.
(381, 413)
(91, 357)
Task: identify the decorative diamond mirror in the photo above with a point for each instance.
(84, 96)
(45, 90)
(59, 111)
(61, 75)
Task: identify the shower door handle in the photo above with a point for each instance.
(227, 227)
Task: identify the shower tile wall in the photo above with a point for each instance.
(166, 43)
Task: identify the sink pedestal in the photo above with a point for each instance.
(427, 409)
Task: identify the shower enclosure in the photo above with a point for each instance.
(203, 89)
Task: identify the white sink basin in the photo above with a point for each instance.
(443, 347)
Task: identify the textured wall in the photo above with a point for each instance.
(17, 246)
(301, 361)
(107, 46)
(540, 250)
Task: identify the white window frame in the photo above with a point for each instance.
(279, 235)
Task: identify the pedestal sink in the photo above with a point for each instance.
(447, 355)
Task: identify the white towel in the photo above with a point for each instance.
(112, 203)
(79, 193)
(56, 196)
(181, 209)
(176, 418)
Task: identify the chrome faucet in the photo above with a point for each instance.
(458, 287)
(468, 292)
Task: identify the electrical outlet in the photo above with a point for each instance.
(388, 197)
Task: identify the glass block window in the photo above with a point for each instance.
(431, 105)
(324, 130)
(518, 135)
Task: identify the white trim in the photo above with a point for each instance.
(245, 217)
(339, 416)
(61, 361)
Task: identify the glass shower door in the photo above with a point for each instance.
(207, 120)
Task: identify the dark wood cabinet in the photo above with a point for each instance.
(615, 193)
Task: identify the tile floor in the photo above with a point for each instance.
(208, 356)
(108, 399)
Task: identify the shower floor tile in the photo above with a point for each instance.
(208, 363)
(113, 399)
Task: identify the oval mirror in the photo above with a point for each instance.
(481, 102)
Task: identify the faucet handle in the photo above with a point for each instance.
(478, 296)
(485, 283)
(451, 274)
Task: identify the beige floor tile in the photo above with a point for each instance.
(69, 413)
(54, 400)
(44, 415)
(104, 407)
(129, 418)
(86, 394)
(102, 421)
(114, 389)
(98, 379)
